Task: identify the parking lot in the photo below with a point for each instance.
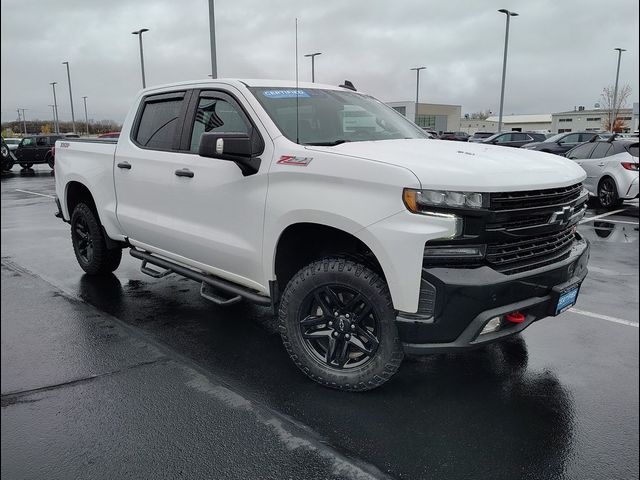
(559, 401)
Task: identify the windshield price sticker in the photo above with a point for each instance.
(285, 94)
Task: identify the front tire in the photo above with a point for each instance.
(337, 323)
(89, 243)
(608, 193)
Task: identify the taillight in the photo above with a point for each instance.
(630, 166)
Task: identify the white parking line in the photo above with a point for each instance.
(35, 193)
(622, 221)
(602, 215)
(604, 317)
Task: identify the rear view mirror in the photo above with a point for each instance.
(236, 147)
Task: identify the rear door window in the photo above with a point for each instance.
(42, 141)
(601, 150)
(159, 121)
(633, 149)
(581, 152)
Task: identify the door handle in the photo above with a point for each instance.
(125, 165)
(184, 172)
(601, 164)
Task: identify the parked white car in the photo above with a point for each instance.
(611, 167)
(12, 143)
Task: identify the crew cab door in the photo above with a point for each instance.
(201, 211)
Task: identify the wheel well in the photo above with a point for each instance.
(604, 177)
(78, 193)
(302, 243)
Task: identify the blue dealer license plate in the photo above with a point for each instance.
(567, 299)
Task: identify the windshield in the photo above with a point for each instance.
(331, 117)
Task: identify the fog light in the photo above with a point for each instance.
(492, 325)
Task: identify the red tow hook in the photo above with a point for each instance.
(515, 317)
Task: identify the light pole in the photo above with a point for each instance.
(417, 69)
(139, 33)
(73, 117)
(504, 62)
(615, 91)
(53, 116)
(24, 119)
(55, 107)
(212, 39)
(313, 64)
(86, 117)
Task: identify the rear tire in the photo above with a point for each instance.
(89, 243)
(337, 323)
(50, 161)
(608, 194)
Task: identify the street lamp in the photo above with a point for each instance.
(417, 69)
(86, 117)
(313, 64)
(504, 62)
(24, 120)
(55, 107)
(615, 91)
(139, 33)
(73, 117)
(53, 115)
(212, 40)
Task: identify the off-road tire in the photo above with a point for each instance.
(102, 260)
(340, 271)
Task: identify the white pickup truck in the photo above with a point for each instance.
(367, 238)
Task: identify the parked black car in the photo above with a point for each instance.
(457, 136)
(479, 136)
(7, 157)
(514, 139)
(36, 149)
(562, 142)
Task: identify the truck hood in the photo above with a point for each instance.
(467, 166)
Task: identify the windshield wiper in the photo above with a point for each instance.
(328, 144)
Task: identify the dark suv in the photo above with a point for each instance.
(36, 149)
(562, 142)
(514, 139)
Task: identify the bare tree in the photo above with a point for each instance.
(613, 122)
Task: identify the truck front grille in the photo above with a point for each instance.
(531, 199)
(529, 253)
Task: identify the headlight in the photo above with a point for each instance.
(419, 201)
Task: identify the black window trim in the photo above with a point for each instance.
(182, 94)
(189, 123)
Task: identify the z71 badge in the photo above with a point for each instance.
(291, 160)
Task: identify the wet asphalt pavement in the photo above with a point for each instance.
(133, 376)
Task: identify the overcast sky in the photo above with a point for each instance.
(560, 52)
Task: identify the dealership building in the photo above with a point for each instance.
(438, 117)
(510, 123)
(580, 119)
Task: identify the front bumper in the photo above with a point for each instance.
(467, 298)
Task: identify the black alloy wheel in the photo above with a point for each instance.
(608, 193)
(89, 243)
(337, 322)
(340, 328)
(84, 241)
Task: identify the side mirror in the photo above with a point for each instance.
(235, 147)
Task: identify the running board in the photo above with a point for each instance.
(217, 283)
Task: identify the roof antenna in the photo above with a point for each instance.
(297, 92)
